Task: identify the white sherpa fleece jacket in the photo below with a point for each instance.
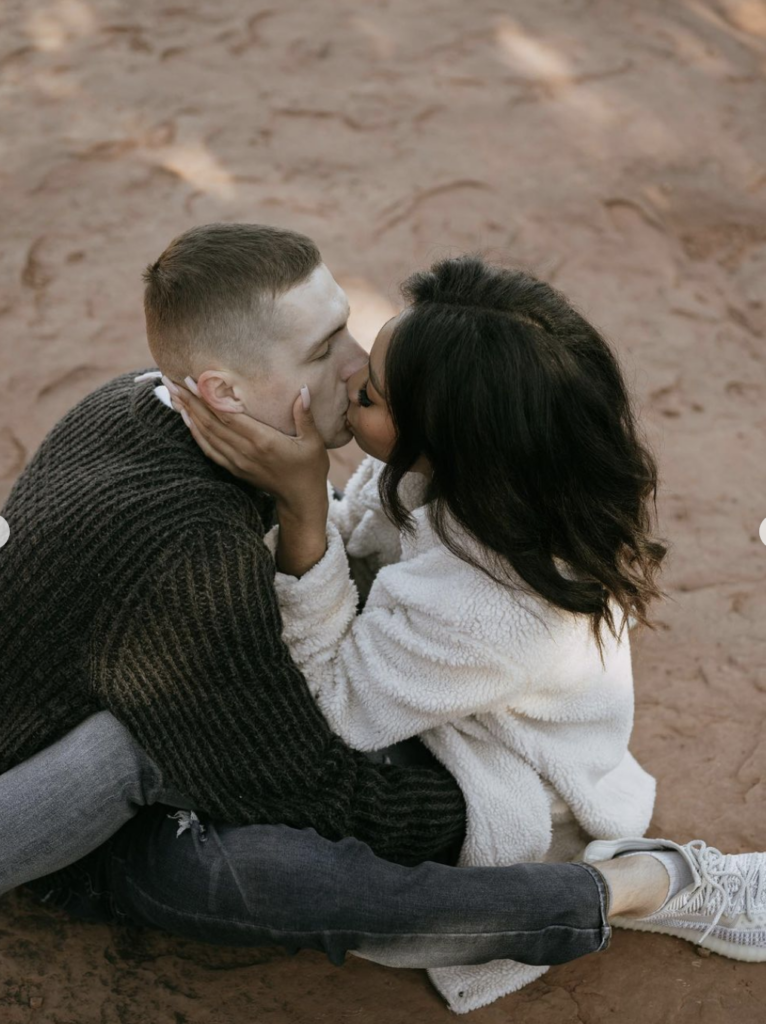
(507, 691)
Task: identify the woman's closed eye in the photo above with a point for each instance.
(364, 398)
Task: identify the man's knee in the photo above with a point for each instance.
(102, 732)
(107, 749)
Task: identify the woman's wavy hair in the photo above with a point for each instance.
(521, 408)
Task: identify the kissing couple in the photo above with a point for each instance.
(243, 708)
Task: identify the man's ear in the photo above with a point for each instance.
(220, 390)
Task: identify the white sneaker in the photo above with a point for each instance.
(724, 909)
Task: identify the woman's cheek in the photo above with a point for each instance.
(367, 433)
(384, 436)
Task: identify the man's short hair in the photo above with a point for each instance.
(212, 292)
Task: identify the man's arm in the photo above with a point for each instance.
(193, 663)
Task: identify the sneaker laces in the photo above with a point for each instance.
(737, 886)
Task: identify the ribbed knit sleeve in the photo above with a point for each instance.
(193, 663)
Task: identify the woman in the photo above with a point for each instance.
(503, 511)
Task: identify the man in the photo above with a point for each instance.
(142, 660)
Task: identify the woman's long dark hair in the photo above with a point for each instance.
(521, 408)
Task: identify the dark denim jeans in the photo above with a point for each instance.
(84, 802)
(273, 885)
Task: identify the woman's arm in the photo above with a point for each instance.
(361, 521)
(293, 468)
(302, 536)
(348, 511)
(368, 534)
(401, 666)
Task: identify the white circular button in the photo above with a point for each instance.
(762, 531)
(5, 531)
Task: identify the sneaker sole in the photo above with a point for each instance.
(749, 954)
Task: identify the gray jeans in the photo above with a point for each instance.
(78, 815)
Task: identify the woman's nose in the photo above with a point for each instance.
(355, 382)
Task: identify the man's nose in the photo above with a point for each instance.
(356, 359)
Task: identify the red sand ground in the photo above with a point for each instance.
(618, 149)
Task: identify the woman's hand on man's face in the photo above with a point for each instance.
(293, 469)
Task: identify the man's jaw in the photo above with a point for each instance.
(342, 433)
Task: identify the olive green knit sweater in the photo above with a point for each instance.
(136, 579)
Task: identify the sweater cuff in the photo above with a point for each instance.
(323, 598)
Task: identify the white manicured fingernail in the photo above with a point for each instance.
(305, 397)
(172, 388)
(191, 386)
(185, 418)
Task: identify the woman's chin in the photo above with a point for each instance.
(359, 438)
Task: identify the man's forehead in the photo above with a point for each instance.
(313, 307)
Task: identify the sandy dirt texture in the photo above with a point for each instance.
(615, 148)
